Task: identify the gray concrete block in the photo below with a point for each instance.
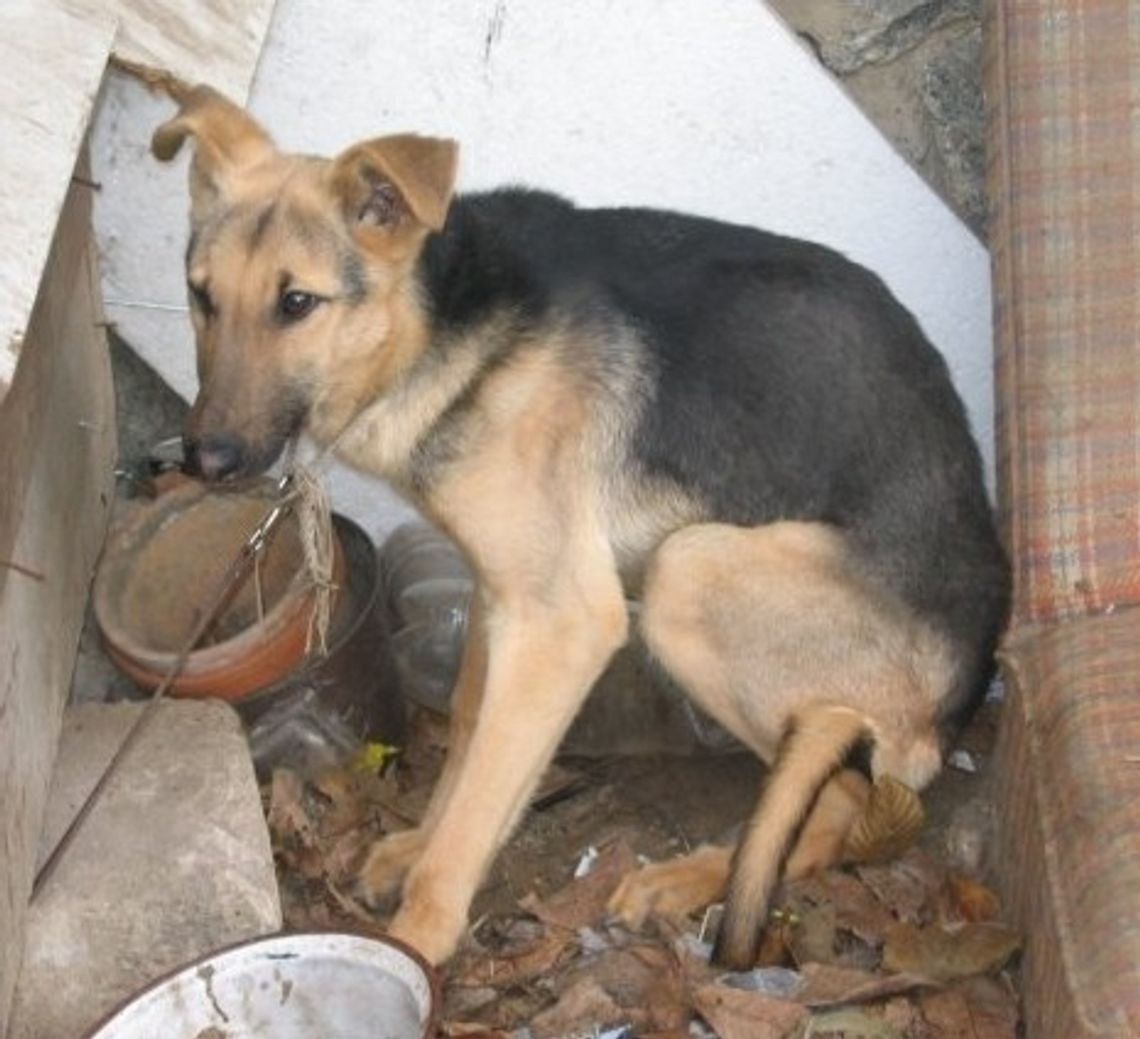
(173, 862)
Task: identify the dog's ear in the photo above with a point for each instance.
(227, 140)
(382, 182)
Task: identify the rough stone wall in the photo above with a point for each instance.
(914, 67)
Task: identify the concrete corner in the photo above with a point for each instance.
(173, 862)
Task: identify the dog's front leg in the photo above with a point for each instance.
(391, 857)
(542, 660)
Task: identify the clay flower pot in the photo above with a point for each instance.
(163, 563)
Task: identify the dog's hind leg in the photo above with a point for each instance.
(390, 858)
(819, 739)
(681, 886)
(775, 633)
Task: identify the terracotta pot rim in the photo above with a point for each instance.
(258, 655)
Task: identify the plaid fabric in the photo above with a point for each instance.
(1063, 85)
(1063, 82)
(1069, 783)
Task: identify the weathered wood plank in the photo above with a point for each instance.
(53, 54)
(57, 434)
(52, 57)
(199, 41)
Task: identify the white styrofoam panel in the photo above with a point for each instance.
(709, 106)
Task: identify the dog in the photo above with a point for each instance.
(745, 432)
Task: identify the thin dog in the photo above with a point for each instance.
(745, 432)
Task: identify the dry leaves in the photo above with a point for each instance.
(829, 986)
(901, 950)
(584, 1002)
(583, 901)
(948, 954)
(968, 901)
(576, 973)
(736, 1014)
(980, 1008)
(507, 970)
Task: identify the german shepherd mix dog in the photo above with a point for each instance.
(745, 432)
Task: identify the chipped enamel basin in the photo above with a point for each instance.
(326, 985)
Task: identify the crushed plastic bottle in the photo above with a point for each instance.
(634, 707)
(428, 591)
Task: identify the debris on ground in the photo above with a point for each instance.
(914, 948)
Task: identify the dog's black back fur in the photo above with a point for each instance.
(787, 383)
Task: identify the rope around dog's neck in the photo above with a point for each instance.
(315, 521)
(302, 485)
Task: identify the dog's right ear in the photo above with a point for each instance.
(228, 140)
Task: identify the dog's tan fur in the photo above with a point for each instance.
(535, 492)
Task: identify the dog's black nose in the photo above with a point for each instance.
(214, 457)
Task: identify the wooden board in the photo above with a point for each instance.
(199, 41)
(53, 54)
(57, 439)
(52, 58)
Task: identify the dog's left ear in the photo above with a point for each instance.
(383, 181)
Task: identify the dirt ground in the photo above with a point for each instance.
(669, 805)
(913, 949)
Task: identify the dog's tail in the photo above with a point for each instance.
(812, 750)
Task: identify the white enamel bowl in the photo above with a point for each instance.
(327, 985)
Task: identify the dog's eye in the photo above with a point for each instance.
(295, 305)
(201, 297)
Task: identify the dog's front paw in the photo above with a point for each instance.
(386, 865)
(674, 889)
(429, 921)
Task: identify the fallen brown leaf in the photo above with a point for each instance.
(669, 978)
(583, 900)
(293, 830)
(583, 1007)
(906, 1019)
(908, 887)
(351, 908)
(851, 1023)
(513, 1008)
(737, 1014)
(347, 808)
(809, 933)
(465, 1004)
(980, 1008)
(537, 959)
(828, 985)
(776, 944)
(968, 901)
(288, 818)
(399, 794)
(645, 981)
(471, 1030)
(947, 955)
(343, 855)
(856, 909)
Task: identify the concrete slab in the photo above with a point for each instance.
(173, 862)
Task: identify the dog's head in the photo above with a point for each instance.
(301, 278)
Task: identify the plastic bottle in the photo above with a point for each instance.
(633, 709)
